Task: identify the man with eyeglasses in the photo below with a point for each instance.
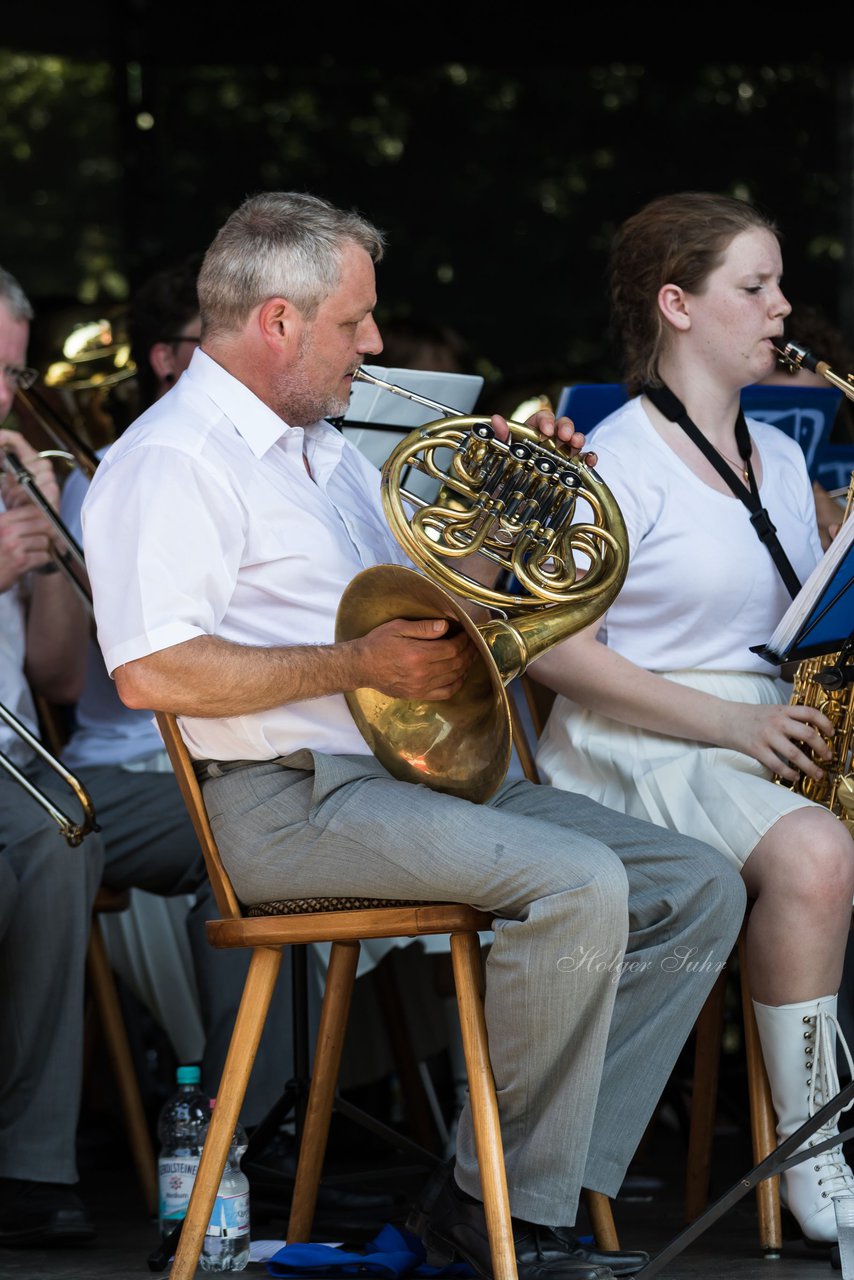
(46, 888)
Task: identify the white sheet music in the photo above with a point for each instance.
(801, 607)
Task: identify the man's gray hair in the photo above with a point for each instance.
(279, 244)
(13, 297)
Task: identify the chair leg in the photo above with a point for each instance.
(414, 1094)
(340, 979)
(704, 1096)
(602, 1219)
(110, 1014)
(763, 1123)
(251, 1016)
(468, 976)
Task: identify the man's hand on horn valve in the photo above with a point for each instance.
(561, 430)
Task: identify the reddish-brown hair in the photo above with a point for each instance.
(678, 239)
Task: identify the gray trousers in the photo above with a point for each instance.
(46, 893)
(611, 934)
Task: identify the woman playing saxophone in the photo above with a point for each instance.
(665, 713)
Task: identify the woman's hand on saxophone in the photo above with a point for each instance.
(780, 736)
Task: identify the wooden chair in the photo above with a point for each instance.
(106, 1001)
(343, 922)
(707, 1052)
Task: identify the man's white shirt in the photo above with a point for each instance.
(203, 520)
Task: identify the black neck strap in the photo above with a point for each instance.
(674, 410)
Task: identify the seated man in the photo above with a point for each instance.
(221, 531)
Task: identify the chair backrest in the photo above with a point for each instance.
(530, 703)
(835, 466)
(589, 403)
(804, 413)
(226, 898)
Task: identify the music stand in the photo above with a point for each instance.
(820, 619)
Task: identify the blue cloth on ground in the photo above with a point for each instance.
(391, 1254)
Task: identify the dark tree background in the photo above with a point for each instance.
(499, 189)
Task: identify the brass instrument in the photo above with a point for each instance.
(827, 683)
(793, 356)
(73, 832)
(59, 430)
(73, 553)
(95, 354)
(520, 500)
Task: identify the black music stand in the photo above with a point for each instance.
(820, 619)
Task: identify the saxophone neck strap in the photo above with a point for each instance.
(674, 410)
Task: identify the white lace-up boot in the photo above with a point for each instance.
(799, 1047)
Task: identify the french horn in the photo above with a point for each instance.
(534, 513)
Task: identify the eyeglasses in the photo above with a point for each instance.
(22, 378)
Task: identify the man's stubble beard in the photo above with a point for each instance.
(298, 402)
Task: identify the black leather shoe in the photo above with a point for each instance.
(41, 1213)
(451, 1226)
(623, 1262)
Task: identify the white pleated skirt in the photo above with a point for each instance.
(719, 796)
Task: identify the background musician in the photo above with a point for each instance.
(146, 841)
(274, 513)
(46, 888)
(115, 750)
(665, 713)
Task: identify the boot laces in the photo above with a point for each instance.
(822, 1084)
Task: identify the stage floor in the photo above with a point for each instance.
(125, 1236)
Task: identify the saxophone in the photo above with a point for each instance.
(827, 683)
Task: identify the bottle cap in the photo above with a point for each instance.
(189, 1075)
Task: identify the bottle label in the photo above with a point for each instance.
(176, 1175)
(230, 1217)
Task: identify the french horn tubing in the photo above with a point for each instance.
(530, 509)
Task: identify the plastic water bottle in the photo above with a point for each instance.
(181, 1129)
(226, 1245)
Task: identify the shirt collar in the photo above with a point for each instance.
(255, 421)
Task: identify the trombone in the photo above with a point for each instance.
(55, 426)
(76, 450)
(73, 553)
(74, 832)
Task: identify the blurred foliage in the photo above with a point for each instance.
(499, 190)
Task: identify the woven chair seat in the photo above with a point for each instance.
(311, 906)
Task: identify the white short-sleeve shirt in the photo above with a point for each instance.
(701, 588)
(203, 520)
